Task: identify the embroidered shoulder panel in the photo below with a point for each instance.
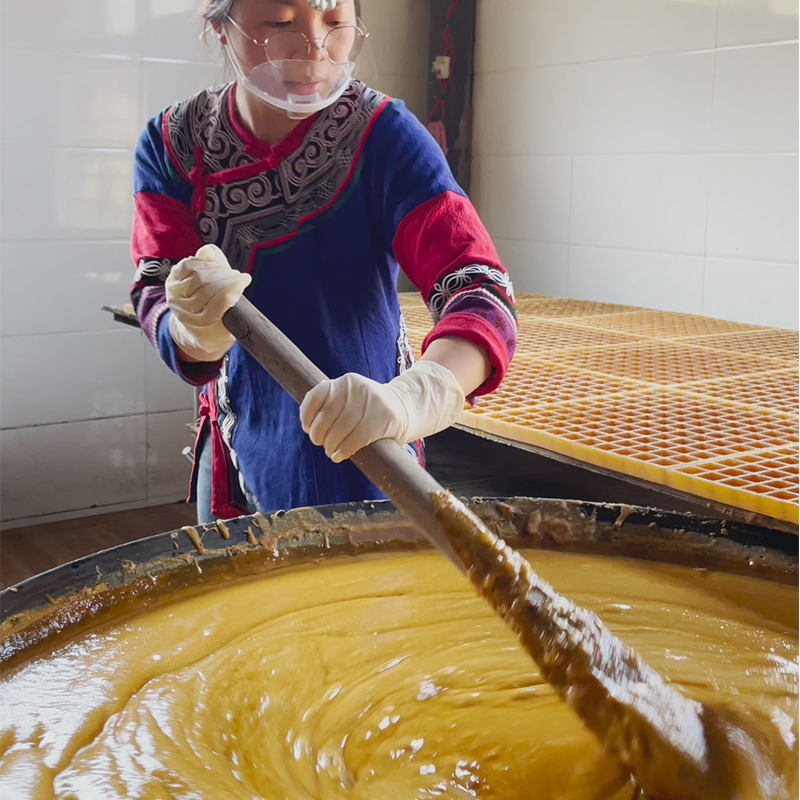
(203, 121)
(270, 204)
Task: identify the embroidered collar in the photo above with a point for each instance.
(255, 147)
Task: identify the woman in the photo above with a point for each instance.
(307, 191)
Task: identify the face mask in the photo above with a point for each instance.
(281, 85)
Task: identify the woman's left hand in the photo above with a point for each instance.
(348, 413)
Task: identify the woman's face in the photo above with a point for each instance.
(306, 71)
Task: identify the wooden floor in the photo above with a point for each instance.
(28, 551)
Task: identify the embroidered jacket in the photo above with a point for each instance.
(322, 221)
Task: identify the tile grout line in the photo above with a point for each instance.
(709, 173)
(644, 56)
(668, 253)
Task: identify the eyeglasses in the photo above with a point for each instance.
(341, 45)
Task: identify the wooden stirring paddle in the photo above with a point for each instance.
(675, 747)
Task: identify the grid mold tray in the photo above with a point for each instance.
(699, 405)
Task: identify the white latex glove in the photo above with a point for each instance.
(322, 5)
(199, 291)
(348, 413)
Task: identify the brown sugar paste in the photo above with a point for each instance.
(381, 676)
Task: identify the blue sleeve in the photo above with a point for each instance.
(153, 170)
(408, 166)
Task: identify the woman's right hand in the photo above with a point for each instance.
(199, 290)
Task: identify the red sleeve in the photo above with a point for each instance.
(164, 232)
(444, 249)
(162, 228)
(440, 236)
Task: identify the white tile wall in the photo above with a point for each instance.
(677, 126)
(762, 293)
(165, 82)
(171, 29)
(752, 207)
(541, 122)
(651, 280)
(61, 377)
(395, 57)
(81, 100)
(62, 193)
(67, 26)
(659, 104)
(59, 287)
(756, 21)
(398, 35)
(640, 202)
(522, 34)
(52, 469)
(90, 417)
(755, 100)
(536, 267)
(529, 194)
(168, 471)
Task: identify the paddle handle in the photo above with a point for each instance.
(384, 462)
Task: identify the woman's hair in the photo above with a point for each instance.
(217, 11)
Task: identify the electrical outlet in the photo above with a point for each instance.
(441, 67)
